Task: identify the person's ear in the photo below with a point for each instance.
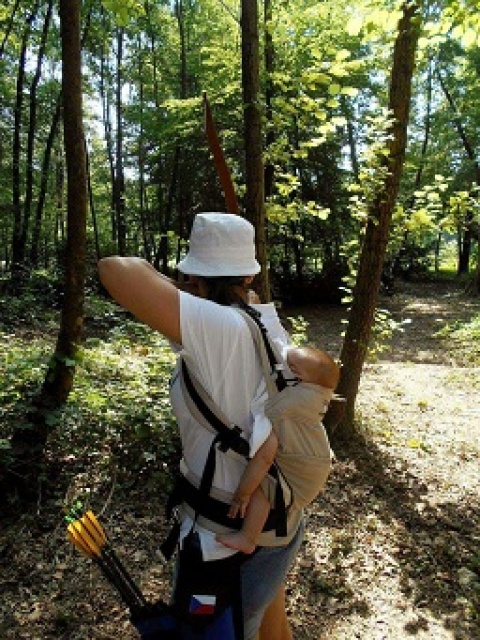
(248, 280)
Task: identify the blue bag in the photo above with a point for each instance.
(207, 602)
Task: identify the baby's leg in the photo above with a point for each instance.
(257, 512)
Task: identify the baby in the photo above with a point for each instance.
(319, 374)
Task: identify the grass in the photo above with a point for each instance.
(463, 339)
(117, 419)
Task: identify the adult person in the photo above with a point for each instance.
(217, 346)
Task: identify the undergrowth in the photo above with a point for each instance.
(116, 425)
(463, 340)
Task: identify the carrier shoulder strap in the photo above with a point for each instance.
(270, 358)
(229, 435)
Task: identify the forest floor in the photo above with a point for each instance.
(392, 549)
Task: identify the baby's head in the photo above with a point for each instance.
(313, 365)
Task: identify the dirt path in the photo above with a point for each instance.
(392, 550)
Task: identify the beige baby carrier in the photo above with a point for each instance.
(295, 410)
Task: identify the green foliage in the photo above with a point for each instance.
(384, 326)
(299, 329)
(463, 338)
(371, 178)
(121, 396)
(24, 352)
(117, 418)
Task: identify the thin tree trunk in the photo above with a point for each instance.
(352, 145)
(365, 292)
(161, 256)
(119, 184)
(269, 93)
(465, 246)
(153, 53)
(32, 128)
(254, 170)
(59, 184)
(147, 250)
(18, 250)
(37, 226)
(91, 202)
(426, 136)
(107, 125)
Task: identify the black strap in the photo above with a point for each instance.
(211, 508)
(228, 437)
(280, 506)
(280, 380)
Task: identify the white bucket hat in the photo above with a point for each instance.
(221, 244)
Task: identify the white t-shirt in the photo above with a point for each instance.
(219, 350)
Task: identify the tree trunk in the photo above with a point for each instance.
(32, 129)
(37, 225)
(365, 292)
(18, 249)
(426, 136)
(91, 203)
(28, 443)
(107, 124)
(119, 184)
(254, 171)
(57, 386)
(466, 244)
(161, 256)
(59, 197)
(147, 248)
(269, 93)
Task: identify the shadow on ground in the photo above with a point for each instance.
(435, 545)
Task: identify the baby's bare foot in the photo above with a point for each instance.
(236, 541)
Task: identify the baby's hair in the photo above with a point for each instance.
(320, 367)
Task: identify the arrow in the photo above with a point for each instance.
(89, 537)
(97, 532)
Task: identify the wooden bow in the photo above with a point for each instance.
(219, 159)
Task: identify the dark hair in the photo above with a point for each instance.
(221, 289)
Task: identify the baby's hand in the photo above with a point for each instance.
(253, 297)
(238, 507)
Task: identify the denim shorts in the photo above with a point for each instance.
(262, 577)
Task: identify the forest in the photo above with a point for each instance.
(349, 135)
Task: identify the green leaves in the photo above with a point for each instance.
(124, 10)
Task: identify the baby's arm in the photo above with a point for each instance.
(253, 475)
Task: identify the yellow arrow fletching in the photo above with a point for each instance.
(91, 517)
(92, 531)
(86, 538)
(77, 541)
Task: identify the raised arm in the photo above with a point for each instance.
(139, 288)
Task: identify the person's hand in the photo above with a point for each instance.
(238, 507)
(253, 297)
